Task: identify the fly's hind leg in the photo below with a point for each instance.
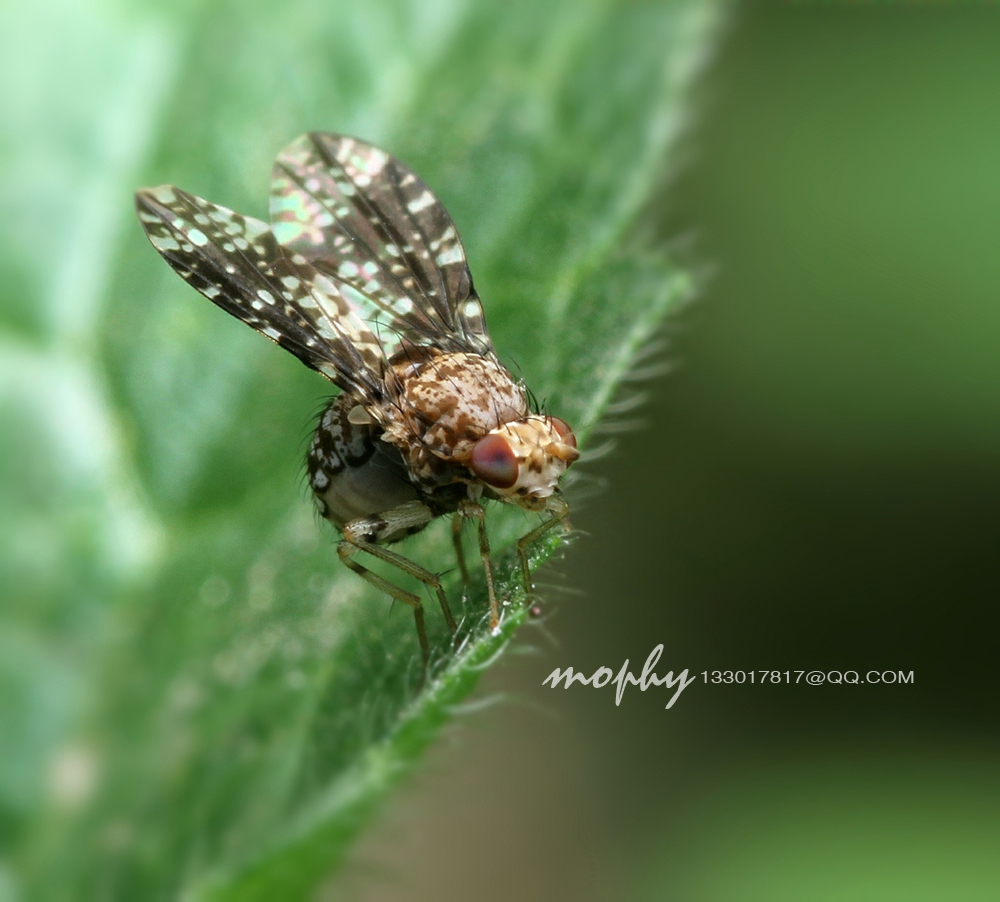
(559, 510)
(365, 533)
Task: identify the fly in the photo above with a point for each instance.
(361, 275)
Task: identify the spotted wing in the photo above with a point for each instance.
(236, 262)
(365, 220)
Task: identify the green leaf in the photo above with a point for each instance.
(198, 699)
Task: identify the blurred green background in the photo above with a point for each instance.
(816, 486)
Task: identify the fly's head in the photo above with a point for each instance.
(522, 461)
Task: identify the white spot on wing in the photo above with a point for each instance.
(421, 203)
(254, 228)
(164, 244)
(452, 255)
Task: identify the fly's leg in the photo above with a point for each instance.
(559, 510)
(364, 533)
(347, 550)
(474, 511)
(456, 538)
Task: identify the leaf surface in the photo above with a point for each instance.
(202, 702)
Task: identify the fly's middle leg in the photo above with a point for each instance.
(456, 538)
(475, 511)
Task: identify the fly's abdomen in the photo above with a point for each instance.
(352, 472)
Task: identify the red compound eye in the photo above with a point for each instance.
(565, 433)
(493, 462)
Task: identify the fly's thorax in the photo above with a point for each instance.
(522, 461)
(448, 401)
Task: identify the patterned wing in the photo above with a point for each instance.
(236, 262)
(365, 220)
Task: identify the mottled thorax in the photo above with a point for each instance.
(448, 402)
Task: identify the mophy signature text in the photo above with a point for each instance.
(604, 675)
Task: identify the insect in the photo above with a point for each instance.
(362, 276)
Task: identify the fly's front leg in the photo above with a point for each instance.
(559, 510)
(474, 511)
(364, 533)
